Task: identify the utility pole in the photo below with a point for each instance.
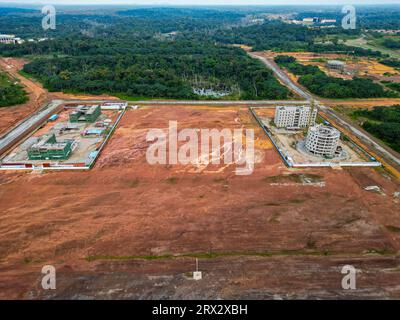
(197, 275)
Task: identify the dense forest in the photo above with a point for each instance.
(10, 92)
(326, 86)
(384, 123)
(168, 70)
(133, 54)
(172, 53)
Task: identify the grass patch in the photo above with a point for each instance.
(221, 180)
(172, 180)
(11, 92)
(296, 201)
(128, 258)
(393, 228)
(294, 178)
(134, 183)
(212, 255)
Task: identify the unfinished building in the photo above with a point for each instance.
(322, 141)
(336, 65)
(88, 114)
(294, 117)
(9, 39)
(49, 149)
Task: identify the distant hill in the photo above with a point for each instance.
(8, 10)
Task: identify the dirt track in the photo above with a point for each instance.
(125, 211)
(37, 96)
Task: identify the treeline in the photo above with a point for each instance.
(391, 62)
(11, 93)
(391, 43)
(392, 85)
(280, 36)
(384, 124)
(325, 86)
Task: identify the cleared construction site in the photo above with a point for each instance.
(304, 139)
(71, 138)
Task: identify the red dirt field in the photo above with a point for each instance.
(266, 235)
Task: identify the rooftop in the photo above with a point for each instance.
(325, 131)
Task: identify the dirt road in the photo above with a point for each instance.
(281, 75)
(10, 116)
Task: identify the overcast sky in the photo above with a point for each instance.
(205, 2)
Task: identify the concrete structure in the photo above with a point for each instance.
(308, 20)
(322, 141)
(294, 117)
(49, 149)
(336, 65)
(328, 21)
(114, 105)
(8, 38)
(85, 114)
(92, 132)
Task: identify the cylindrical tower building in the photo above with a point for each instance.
(322, 140)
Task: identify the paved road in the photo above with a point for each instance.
(202, 103)
(282, 76)
(28, 125)
(360, 134)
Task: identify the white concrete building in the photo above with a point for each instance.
(322, 141)
(328, 21)
(292, 117)
(8, 38)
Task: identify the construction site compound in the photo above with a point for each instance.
(72, 138)
(290, 145)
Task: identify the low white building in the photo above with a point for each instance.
(328, 21)
(322, 141)
(8, 38)
(292, 117)
(114, 105)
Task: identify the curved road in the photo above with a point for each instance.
(282, 76)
